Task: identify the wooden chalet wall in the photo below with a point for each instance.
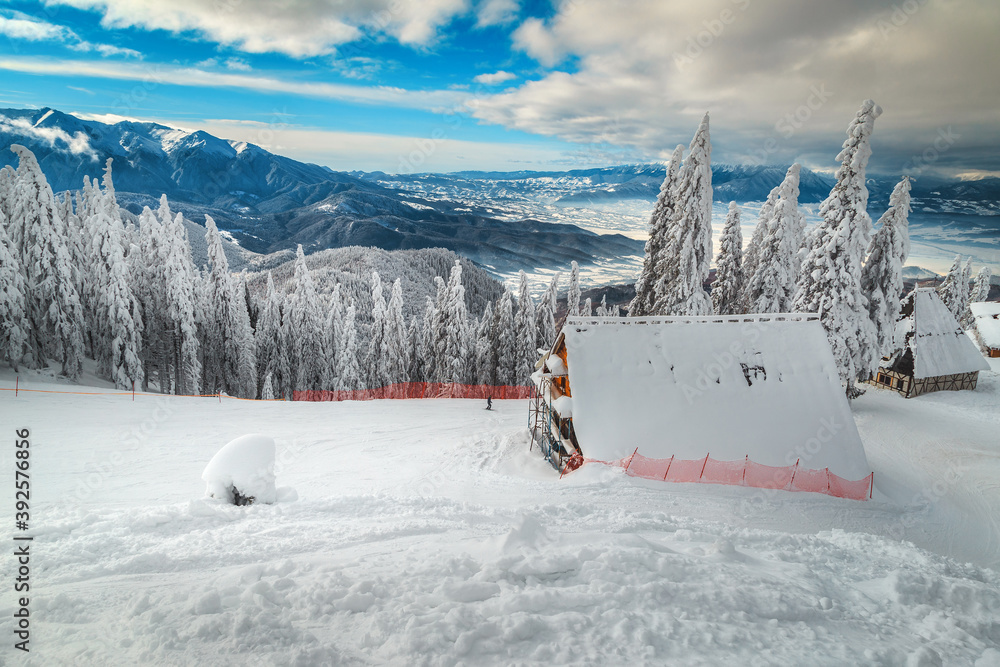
(910, 387)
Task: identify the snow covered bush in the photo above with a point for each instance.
(242, 472)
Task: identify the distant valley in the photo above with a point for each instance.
(503, 221)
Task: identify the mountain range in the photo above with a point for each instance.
(268, 202)
(503, 221)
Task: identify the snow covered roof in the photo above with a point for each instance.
(764, 386)
(987, 314)
(939, 345)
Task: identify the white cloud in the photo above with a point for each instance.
(494, 78)
(533, 38)
(644, 71)
(21, 26)
(298, 28)
(106, 50)
(238, 65)
(77, 144)
(153, 74)
(384, 152)
(496, 12)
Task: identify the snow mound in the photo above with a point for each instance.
(242, 472)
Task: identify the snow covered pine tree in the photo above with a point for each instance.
(831, 272)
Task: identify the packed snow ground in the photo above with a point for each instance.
(425, 532)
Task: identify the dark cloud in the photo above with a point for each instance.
(782, 79)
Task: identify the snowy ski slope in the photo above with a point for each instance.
(424, 533)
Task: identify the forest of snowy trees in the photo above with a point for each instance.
(81, 278)
(839, 269)
(78, 279)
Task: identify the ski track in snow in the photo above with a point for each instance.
(426, 533)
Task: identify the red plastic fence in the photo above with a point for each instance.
(744, 473)
(418, 390)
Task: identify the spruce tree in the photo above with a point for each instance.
(525, 331)
(429, 330)
(271, 344)
(148, 286)
(6, 194)
(727, 290)
(506, 342)
(882, 275)
(180, 278)
(247, 345)
(752, 252)
(831, 272)
(486, 348)
(53, 306)
(452, 339)
(417, 336)
(348, 368)
(573, 296)
(682, 273)
(659, 242)
(332, 336)
(396, 347)
(772, 286)
(981, 290)
(14, 323)
(376, 363)
(222, 349)
(950, 290)
(306, 329)
(966, 319)
(603, 310)
(267, 390)
(118, 315)
(545, 318)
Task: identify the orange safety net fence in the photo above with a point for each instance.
(742, 473)
(404, 390)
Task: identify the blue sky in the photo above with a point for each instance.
(445, 85)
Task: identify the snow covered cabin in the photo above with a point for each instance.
(987, 323)
(759, 386)
(936, 354)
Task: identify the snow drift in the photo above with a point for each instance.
(243, 471)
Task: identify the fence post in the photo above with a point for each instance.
(746, 462)
(795, 469)
(668, 468)
(630, 459)
(871, 485)
(133, 391)
(17, 381)
(703, 466)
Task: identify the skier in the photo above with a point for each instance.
(489, 402)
